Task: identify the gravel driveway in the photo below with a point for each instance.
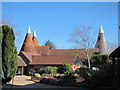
(25, 82)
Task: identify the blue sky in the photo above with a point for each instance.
(56, 21)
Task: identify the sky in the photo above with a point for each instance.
(56, 21)
(119, 23)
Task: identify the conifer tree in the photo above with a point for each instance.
(9, 54)
(1, 72)
(51, 44)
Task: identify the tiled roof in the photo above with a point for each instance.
(71, 51)
(28, 45)
(21, 62)
(35, 41)
(60, 59)
(29, 55)
(55, 56)
(42, 49)
(115, 53)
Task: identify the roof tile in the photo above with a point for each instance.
(21, 62)
(60, 59)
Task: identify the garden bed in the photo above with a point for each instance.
(76, 82)
(36, 79)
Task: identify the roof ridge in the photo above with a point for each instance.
(73, 49)
(42, 46)
(54, 55)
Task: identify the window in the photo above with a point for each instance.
(98, 46)
(98, 37)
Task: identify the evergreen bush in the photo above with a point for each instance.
(1, 71)
(54, 70)
(9, 54)
(82, 72)
(48, 70)
(66, 68)
(37, 75)
(101, 78)
(99, 59)
(97, 77)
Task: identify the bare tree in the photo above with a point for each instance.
(111, 47)
(82, 38)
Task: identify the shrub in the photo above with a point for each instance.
(53, 70)
(100, 78)
(69, 77)
(82, 72)
(45, 75)
(48, 70)
(99, 59)
(69, 72)
(57, 74)
(66, 68)
(41, 71)
(37, 75)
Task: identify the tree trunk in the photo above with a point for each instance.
(89, 63)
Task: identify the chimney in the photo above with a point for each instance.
(28, 45)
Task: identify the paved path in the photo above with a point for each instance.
(25, 82)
